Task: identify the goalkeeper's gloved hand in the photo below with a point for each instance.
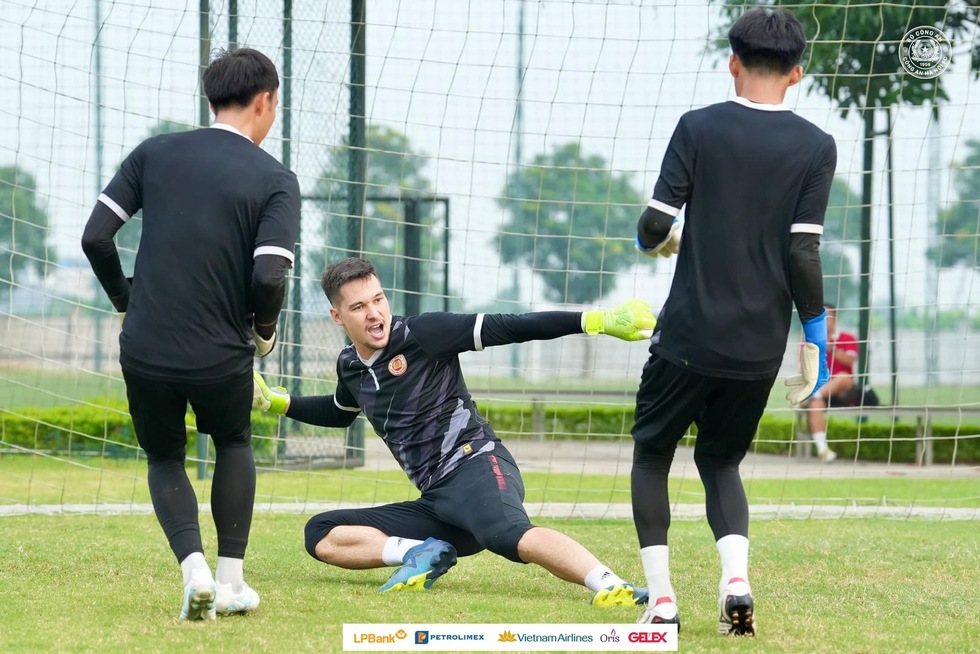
(272, 400)
(630, 321)
(264, 345)
(667, 247)
(813, 361)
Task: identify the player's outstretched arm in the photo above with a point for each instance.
(630, 321)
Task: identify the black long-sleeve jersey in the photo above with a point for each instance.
(413, 392)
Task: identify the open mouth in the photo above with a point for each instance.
(377, 331)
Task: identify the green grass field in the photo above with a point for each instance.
(40, 480)
(110, 584)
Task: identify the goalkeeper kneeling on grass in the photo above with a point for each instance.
(404, 374)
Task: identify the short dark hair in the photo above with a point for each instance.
(235, 77)
(342, 272)
(768, 40)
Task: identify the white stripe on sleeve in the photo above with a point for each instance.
(664, 207)
(805, 228)
(112, 204)
(477, 333)
(272, 249)
(352, 409)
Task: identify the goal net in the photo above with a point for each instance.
(493, 157)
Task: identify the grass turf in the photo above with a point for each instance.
(27, 479)
(85, 583)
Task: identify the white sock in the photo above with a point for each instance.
(230, 572)
(656, 567)
(601, 577)
(734, 552)
(195, 565)
(395, 549)
(820, 440)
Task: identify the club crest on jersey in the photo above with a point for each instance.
(398, 365)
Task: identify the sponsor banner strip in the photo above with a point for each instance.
(397, 637)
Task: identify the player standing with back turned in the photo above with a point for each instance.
(755, 180)
(220, 220)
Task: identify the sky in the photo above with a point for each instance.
(612, 75)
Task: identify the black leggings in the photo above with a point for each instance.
(223, 411)
(726, 412)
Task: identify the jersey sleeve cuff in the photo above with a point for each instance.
(805, 228)
(273, 249)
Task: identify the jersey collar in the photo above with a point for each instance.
(745, 102)
(229, 128)
(369, 362)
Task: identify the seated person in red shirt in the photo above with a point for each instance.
(842, 354)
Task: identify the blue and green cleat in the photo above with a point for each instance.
(621, 595)
(421, 566)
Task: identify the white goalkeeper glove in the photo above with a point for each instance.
(667, 247)
(263, 346)
(271, 400)
(630, 321)
(813, 361)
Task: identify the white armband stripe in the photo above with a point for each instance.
(352, 409)
(112, 204)
(664, 207)
(478, 333)
(805, 228)
(272, 249)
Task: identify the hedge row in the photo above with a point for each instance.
(849, 438)
(107, 429)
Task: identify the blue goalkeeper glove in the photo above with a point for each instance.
(813, 361)
(271, 400)
(630, 321)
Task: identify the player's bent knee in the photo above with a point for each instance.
(504, 542)
(316, 531)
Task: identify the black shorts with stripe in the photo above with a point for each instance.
(478, 506)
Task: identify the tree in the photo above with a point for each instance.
(854, 59)
(959, 225)
(23, 225)
(394, 178)
(128, 238)
(567, 212)
(839, 244)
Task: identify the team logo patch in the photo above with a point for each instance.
(398, 366)
(925, 52)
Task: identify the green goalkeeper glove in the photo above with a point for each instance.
(630, 321)
(272, 400)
